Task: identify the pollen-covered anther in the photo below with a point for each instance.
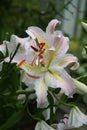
(42, 63)
(41, 45)
(34, 48)
(41, 56)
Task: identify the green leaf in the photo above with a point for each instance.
(54, 90)
(51, 106)
(12, 120)
(10, 78)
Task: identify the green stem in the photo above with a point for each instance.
(25, 91)
(82, 76)
(62, 102)
(32, 116)
(14, 53)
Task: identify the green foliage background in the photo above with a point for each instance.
(17, 15)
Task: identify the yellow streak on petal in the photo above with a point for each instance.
(42, 90)
(66, 61)
(36, 69)
(54, 75)
(57, 77)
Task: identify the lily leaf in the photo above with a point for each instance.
(12, 120)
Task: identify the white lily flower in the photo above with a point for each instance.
(44, 59)
(63, 125)
(43, 126)
(24, 51)
(50, 59)
(77, 118)
(3, 51)
(3, 48)
(14, 40)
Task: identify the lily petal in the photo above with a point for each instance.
(3, 48)
(68, 59)
(61, 48)
(25, 43)
(63, 125)
(43, 126)
(32, 71)
(15, 39)
(51, 26)
(36, 32)
(46, 113)
(62, 81)
(41, 92)
(63, 45)
(28, 81)
(77, 118)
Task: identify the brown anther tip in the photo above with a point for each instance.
(34, 48)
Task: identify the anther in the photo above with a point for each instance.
(35, 49)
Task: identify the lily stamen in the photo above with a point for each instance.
(34, 60)
(34, 48)
(41, 45)
(20, 63)
(37, 41)
(33, 76)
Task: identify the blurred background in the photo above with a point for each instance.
(17, 15)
